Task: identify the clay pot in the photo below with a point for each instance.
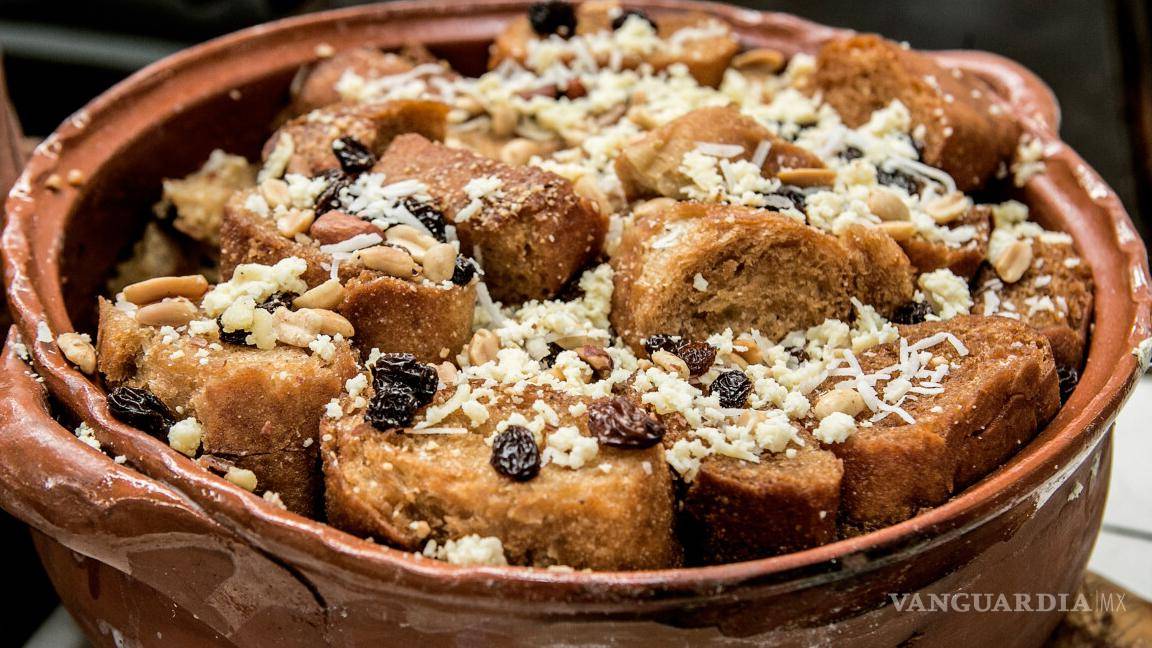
(157, 551)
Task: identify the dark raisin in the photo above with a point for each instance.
(911, 313)
(661, 342)
(329, 198)
(798, 354)
(900, 179)
(1069, 377)
(697, 355)
(354, 157)
(392, 406)
(464, 271)
(403, 369)
(795, 196)
(851, 153)
(239, 336)
(141, 409)
(619, 21)
(552, 17)
(554, 350)
(620, 423)
(732, 387)
(277, 301)
(515, 455)
(428, 215)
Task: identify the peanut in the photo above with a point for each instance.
(886, 205)
(295, 221)
(652, 207)
(173, 311)
(760, 60)
(392, 261)
(946, 209)
(807, 177)
(275, 192)
(586, 187)
(899, 230)
(847, 401)
(751, 353)
(671, 363)
(327, 295)
(336, 226)
(504, 120)
(155, 289)
(439, 262)
(518, 151)
(1014, 261)
(447, 373)
(78, 349)
(299, 328)
(483, 347)
(411, 239)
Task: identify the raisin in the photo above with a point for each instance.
(900, 179)
(141, 409)
(697, 355)
(552, 17)
(464, 271)
(354, 157)
(795, 196)
(911, 313)
(554, 350)
(392, 406)
(661, 342)
(239, 336)
(428, 215)
(798, 354)
(515, 455)
(851, 153)
(277, 301)
(732, 387)
(1069, 377)
(329, 198)
(619, 21)
(403, 369)
(620, 423)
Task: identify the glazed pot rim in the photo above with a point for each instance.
(35, 296)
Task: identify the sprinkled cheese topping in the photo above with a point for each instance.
(469, 550)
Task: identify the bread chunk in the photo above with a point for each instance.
(966, 132)
(651, 166)
(315, 86)
(197, 201)
(1054, 296)
(306, 141)
(706, 55)
(994, 400)
(394, 315)
(259, 409)
(528, 228)
(408, 488)
(696, 269)
(963, 260)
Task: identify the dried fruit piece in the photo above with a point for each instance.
(239, 336)
(661, 342)
(392, 406)
(354, 157)
(402, 368)
(277, 301)
(912, 313)
(619, 20)
(515, 454)
(464, 271)
(552, 17)
(428, 215)
(329, 198)
(732, 387)
(141, 409)
(620, 423)
(699, 356)
(1068, 377)
(898, 178)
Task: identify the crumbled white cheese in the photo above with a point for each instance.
(184, 436)
(567, 447)
(835, 428)
(469, 550)
(946, 293)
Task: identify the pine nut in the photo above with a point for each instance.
(946, 209)
(887, 206)
(671, 363)
(847, 401)
(392, 261)
(173, 311)
(275, 193)
(760, 60)
(504, 120)
(899, 230)
(439, 262)
(155, 289)
(751, 353)
(78, 349)
(807, 177)
(1014, 261)
(295, 221)
(327, 295)
(483, 348)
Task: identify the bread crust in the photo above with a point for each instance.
(315, 85)
(966, 132)
(963, 261)
(530, 242)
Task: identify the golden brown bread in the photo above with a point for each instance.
(259, 409)
(650, 166)
(994, 400)
(315, 85)
(385, 484)
(530, 241)
(964, 260)
(966, 133)
(1054, 296)
(372, 124)
(760, 270)
(393, 315)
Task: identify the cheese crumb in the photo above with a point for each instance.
(184, 436)
(946, 293)
(567, 447)
(835, 428)
(469, 550)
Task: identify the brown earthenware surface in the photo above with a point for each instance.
(307, 582)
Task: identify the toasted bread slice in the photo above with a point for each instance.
(1054, 296)
(696, 268)
(315, 86)
(964, 260)
(966, 132)
(407, 488)
(706, 57)
(304, 144)
(650, 166)
(531, 232)
(430, 321)
(994, 400)
(258, 408)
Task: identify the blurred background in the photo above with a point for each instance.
(1095, 54)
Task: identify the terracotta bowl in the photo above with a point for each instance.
(152, 549)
